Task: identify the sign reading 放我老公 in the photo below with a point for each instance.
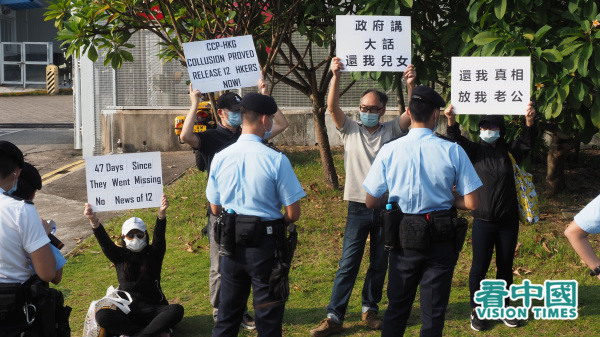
(222, 64)
(373, 42)
(124, 181)
(491, 85)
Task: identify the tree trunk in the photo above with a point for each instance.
(559, 148)
(329, 173)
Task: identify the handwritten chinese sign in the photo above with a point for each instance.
(373, 43)
(222, 64)
(491, 85)
(124, 181)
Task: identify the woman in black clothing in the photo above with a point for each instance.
(138, 266)
(496, 221)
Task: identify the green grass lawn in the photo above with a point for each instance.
(543, 253)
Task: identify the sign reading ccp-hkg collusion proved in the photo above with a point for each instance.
(124, 181)
(222, 64)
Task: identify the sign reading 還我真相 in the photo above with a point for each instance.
(373, 42)
(222, 64)
(491, 85)
(124, 181)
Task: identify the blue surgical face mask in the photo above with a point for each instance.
(368, 119)
(234, 118)
(489, 136)
(268, 133)
(14, 187)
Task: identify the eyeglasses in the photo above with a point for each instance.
(370, 109)
(132, 235)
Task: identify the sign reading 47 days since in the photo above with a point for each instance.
(124, 181)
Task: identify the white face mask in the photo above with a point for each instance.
(489, 136)
(268, 133)
(136, 245)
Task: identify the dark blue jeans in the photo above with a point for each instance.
(360, 223)
(488, 235)
(432, 270)
(249, 266)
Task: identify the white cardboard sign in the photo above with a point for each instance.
(491, 85)
(222, 64)
(373, 43)
(124, 181)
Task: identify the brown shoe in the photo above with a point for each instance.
(326, 327)
(373, 322)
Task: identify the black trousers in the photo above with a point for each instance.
(432, 270)
(487, 236)
(143, 319)
(249, 266)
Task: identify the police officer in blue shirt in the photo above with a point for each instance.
(251, 182)
(420, 170)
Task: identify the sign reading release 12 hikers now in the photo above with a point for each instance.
(222, 64)
(124, 181)
(491, 85)
(373, 43)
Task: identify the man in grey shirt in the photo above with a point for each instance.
(361, 141)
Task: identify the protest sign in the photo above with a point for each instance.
(222, 64)
(491, 85)
(373, 43)
(124, 181)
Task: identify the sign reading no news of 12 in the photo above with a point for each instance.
(222, 64)
(124, 181)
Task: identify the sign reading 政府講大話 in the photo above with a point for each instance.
(373, 43)
(124, 181)
(222, 64)
(491, 85)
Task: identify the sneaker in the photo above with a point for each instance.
(511, 323)
(326, 327)
(477, 324)
(373, 322)
(248, 322)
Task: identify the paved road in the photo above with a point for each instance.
(50, 149)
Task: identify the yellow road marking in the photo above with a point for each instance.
(51, 176)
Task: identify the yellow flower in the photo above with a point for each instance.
(595, 23)
(539, 86)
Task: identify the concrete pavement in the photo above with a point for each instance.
(62, 199)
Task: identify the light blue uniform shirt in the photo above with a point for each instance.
(252, 179)
(588, 218)
(419, 171)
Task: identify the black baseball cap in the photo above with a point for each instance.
(29, 181)
(262, 104)
(496, 120)
(425, 93)
(11, 150)
(229, 100)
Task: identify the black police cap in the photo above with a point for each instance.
(427, 94)
(262, 104)
(229, 101)
(11, 150)
(31, 175)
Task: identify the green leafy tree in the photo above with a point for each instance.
(90, 26)
(563, 40)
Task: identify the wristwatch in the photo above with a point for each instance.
(595, 272)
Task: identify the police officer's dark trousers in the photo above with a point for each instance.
(432, 270)
(249, 266)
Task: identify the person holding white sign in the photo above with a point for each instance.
(207, 144)
(496, 221)
(361, 141)
(138, 264)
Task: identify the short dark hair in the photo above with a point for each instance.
(8, 166)
(249, 115)
(382, 97)
(421, 110)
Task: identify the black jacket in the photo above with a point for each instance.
(143, 267)
(497, 196)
